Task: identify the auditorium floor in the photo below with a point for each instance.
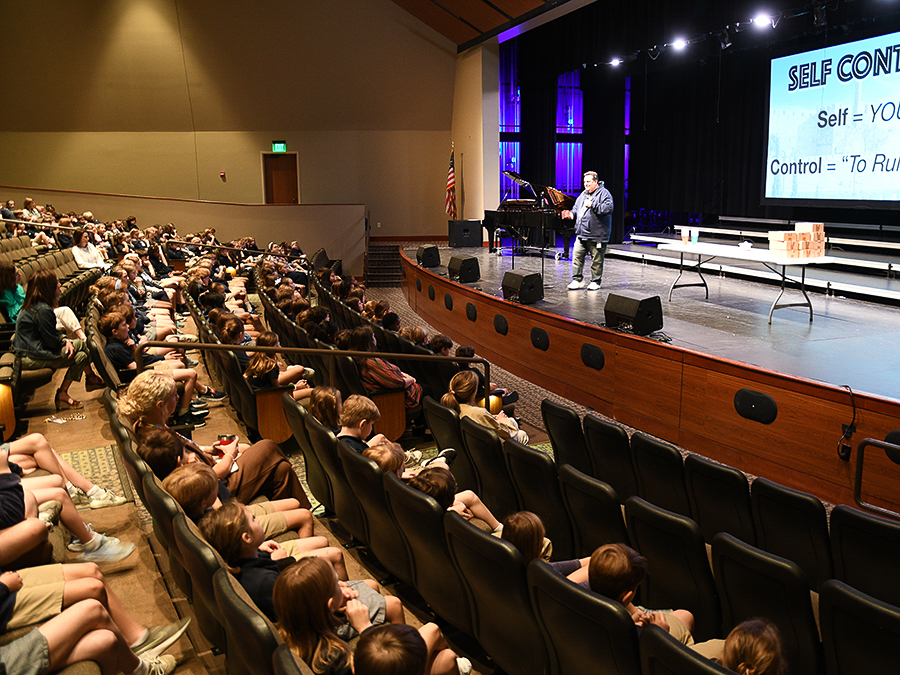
(849, 342)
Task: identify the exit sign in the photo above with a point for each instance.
(279, 146)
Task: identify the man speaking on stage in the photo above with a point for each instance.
(592, 214)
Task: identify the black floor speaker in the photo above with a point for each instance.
(464, 269)
(428, 256)
(525, 288)
(644, 315)
(464, 233)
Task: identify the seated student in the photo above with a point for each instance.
(500, 399)
(461, 397)
(525, 531)
(84, 631)
(267, 370)
(357, 418)
(317, 614)
(377, 373)
(616, 571)
(236, 534)
(391, 321)
(754, 648)
(437, 482)
(197, 489)
(255, 560)
(402, 650)
(120, 346)
(325, 405)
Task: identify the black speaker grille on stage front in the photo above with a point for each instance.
(644, 314)
(464, 233)
(526, 288)
(428, 256)
(464, 269)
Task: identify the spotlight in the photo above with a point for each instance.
(762, 20)
(615, 62)
(722, 36)
(679, 44)
(819, 20)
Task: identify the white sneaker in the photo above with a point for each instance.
(593, 286)
(110, 550)
(463, 665)
(161, 665)
(103, 497)
(574, 285)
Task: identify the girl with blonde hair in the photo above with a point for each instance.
(461, 397)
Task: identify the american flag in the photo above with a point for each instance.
(450, 205)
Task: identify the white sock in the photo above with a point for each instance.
(94, 543)
(94, 490)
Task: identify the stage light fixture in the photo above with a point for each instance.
(722, 36)
(776, 18)
(679, 44)
(819, 18)
(762, 21)
(653, 52)
(615, 62)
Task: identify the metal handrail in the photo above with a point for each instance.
(331, 354)
(857, 482)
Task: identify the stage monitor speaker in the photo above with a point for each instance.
(464, 269)
(464, 233)
(524, 288)
(428, 256)
(643, 315)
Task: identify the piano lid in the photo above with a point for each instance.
(560, 201)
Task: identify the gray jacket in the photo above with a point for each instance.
(596, 221)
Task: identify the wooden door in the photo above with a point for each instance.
(281, 181)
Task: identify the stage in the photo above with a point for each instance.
(850, 341)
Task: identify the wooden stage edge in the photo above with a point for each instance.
(683, 396)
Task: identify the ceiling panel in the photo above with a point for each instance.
(439, 19)
(465, 20)
(476, 12)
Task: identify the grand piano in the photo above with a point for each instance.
(532, 223)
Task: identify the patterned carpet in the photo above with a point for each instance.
(102, 466)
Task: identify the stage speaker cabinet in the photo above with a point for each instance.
(464, 269)
(524, 288)
(464, 233)
(428, 256)
(644, 315)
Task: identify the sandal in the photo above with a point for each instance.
(92, 383)
(65, 402)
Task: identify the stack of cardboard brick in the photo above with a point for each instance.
(807, 240)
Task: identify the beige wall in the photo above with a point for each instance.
(340, 228)
(475, 129)
(156, 97)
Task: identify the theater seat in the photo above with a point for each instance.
(661, 654)
(594, 511)
(494, 574)
(251, 637)
(860, 633)
(752, 582)
(584, 632)
(610, 450)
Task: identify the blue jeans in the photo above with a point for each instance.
(597, 249)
